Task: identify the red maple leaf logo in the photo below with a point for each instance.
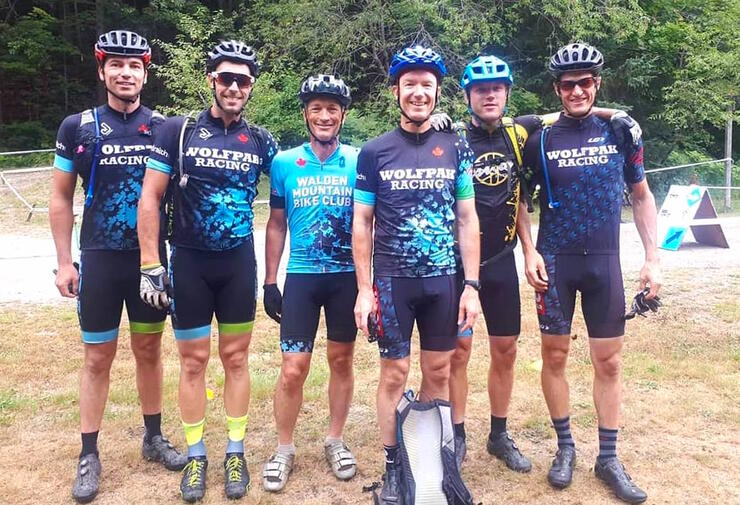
(143, 128)
(242, 137)
(300, 162)
(438, 151)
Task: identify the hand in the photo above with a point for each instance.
(534, 268)
(469, 309)
(441, 122)
(364, 305)
(650, 277)
(154, 286)
(273, 301)
(67, 280)
(622, 123)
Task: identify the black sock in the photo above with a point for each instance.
(89, 443)
(460, 430)
(153, 424)
(498, 425)
(390, 456)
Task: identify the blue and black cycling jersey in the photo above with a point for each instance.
(109, 221)
(213, 211)
(414, 180)
(317, 198)
(497, 190)
(585, 171)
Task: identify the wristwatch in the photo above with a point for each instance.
(473, 284)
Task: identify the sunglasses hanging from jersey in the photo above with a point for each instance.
(97, 140)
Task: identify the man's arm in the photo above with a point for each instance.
(362, 250)
(646, 216)
(275, 233)
(534, 265)
(152, 191)
(61, 218)
(468, 230)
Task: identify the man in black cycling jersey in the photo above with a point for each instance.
(107, 148)
(214, 166)
(581, 163)
(413, 185)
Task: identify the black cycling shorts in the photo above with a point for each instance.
(208, 282)
(303, 297)
(599, 279)
(499, 296)
(430, 301)
(107, 279)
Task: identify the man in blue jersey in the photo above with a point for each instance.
(107, 148)
(311, 195)
(413, 186)
(581, 162)
(214, 165)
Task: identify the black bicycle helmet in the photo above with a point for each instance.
(578, 56)
(235, 51)
(325, 85)
(122, 43)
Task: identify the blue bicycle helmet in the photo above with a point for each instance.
(486, 69)
(416, 58)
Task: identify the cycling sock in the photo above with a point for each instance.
(460, 430)
(153, 424)
(332, 440)
(194, 438)
(286, 448)
(498, 425)
(607, 444)
(237, 426)
(390, 456)
(562, 428)
(89, 443)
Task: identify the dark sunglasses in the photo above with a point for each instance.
(585, 83)
(226, 78)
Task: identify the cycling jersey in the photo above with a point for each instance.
(497, 193)
(223, 165)
(317, 198)
(413, 180)
(586, 170)
(109, 222)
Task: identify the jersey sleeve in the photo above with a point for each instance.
(529, 122)
(277, 183)
(271, 148)
(634, 168)
(164, 154)
(366, 183)
(531, 152)
(463, 181)
(63, 155)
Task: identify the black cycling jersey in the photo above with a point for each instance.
(586, 170)
(413, 180)
(214, 209)
(497, 193)
(109, 222)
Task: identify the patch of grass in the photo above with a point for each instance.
(263, 383)
(585, 420)
(537, 428)
(9, 404)
(728, 311)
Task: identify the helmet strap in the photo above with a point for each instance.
(332, 140)
(218, 103)
(121, 98)
(416, 122)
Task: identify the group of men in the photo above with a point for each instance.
(418, 226)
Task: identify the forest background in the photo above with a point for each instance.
(674, 65)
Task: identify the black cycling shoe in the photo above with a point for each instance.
(561, 471)
(161, 450)
(87, 481)
(461, 449)
(612, 472)
(390, 495)
(504, 448)
(236, 476)
(193, 483)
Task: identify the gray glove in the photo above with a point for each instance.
(441, 122)
(621, 124)
(154, 286)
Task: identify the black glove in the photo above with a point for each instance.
(641, 306)
(374, 327)
(273, 301)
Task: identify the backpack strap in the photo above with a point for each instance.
(183, 141)
(97, 140)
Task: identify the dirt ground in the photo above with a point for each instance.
(680, 436)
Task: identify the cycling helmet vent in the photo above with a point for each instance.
(416, 58)
(325, 85)
(234, 51)
(122, 43)
(576, 56)
(486, 69)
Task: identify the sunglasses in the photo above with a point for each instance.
(585, 83)
(227, 78)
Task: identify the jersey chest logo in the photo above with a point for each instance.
(204, 134)
(492, 169)
(105, 129)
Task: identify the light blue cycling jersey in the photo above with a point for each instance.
(317, 198)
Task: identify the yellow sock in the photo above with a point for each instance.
(194, 431)
(237, 426)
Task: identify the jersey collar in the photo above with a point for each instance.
(123, 117)
(309, 152)
(219, 123)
